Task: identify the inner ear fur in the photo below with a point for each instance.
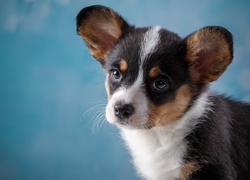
(209, 52)
(100, 27)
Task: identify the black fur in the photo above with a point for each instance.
(221, 143)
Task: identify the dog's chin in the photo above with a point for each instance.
(132, 126)
(129, 124)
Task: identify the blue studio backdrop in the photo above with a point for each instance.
(52, 96)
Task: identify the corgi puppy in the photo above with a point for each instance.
(158, 90)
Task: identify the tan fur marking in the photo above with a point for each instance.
(123, 65)
(187, 169)
(155, 71)
(208, 55)
(171, 111)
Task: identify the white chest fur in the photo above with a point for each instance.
(158, 153)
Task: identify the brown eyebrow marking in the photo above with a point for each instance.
(123, 65)
(155, 71)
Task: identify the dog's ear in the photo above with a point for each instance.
(209, 52)
(101, 28)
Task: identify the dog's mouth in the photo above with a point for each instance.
(131, 125)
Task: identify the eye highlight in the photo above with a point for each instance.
(115, 75)
(160, 85)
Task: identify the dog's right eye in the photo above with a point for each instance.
(115, 75)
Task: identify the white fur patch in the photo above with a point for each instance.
(149, 43)
(157, 153)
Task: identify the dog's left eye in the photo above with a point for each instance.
(160, 85)
(115, 75)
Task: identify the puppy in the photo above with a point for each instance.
(157, 86)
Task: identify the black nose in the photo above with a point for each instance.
(123, 111)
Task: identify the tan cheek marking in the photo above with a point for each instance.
(155, 71)
(187, 170)
(123, 65)
(171, 111)
(107, 87)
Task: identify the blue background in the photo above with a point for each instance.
(52, 96)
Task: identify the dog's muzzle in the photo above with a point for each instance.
(123, 111)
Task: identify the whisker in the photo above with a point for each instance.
(102, 120)
(98, 118)
(92, 109)
(97, 113)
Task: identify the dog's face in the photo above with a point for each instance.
(143, 77)
(152, 75)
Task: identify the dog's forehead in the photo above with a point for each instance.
(143, 49)
(128, 48)
(137, 47)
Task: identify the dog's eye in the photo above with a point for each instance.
(115, 75)
(160, 85)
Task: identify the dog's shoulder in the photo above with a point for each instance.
(221, 143)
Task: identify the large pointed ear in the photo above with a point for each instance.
(101, 28)
(209, 52)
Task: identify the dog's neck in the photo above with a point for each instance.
(158, 152)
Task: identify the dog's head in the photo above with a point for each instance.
(152, 75)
